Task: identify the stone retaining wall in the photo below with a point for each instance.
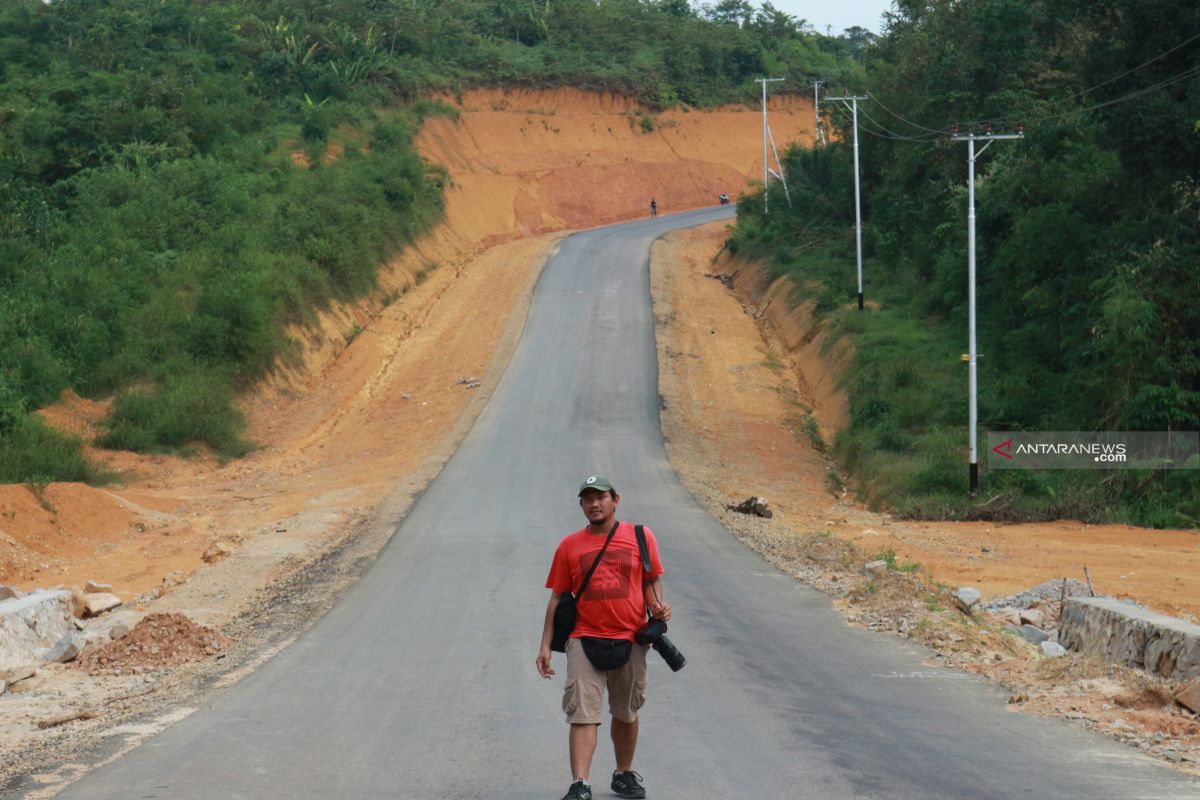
(1126, 634)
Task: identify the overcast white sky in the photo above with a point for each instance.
(840, 14)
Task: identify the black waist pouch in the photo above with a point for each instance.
(606, 654)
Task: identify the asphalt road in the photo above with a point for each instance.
(420, 682)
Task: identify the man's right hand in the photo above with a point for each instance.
(543, 663)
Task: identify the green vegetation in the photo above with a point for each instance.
(179, 181)
(889, 558)
(1088, 239)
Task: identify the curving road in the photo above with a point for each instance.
(420, 682)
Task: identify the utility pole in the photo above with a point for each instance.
(767, 137)
(857, 196)
(972, 356)
(818, 130)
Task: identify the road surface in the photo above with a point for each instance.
(420, 682)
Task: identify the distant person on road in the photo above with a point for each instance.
(653, 208)
(612, 608)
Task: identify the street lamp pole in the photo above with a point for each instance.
(857, 195)
(972, 355)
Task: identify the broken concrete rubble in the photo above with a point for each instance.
(1189, 696)
(1053, 650)
(1032, 616)
(66, 649)
(31, 625)
(1033, 634)
(875, 569)
(968, 598)
(96, 604)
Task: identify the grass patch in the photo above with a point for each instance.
(889, 557)
(186, 410)
(34, 453)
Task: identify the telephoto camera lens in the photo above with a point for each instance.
(670, 653)
(654, 633)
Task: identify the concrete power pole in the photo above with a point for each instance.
(857, 196)
(972, 356)
(768, 138)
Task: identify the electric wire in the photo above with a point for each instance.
(1061, 115)
(1101, 85)
(878, 102)
(885, 133)
(923, 138)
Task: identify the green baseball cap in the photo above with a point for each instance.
(597, 482)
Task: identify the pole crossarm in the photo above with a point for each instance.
(979, 137)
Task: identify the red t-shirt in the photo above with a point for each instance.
(613, 606)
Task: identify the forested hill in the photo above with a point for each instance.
(160, 223)
(1088, 248)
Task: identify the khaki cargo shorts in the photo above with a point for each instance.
(583, 696)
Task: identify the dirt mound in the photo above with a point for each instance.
(159, 640)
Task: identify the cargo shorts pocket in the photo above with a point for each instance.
(570, 702)
(639, 695)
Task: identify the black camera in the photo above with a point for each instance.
(654, 633)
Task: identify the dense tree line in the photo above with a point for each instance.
(1088, 245)
(167, 206)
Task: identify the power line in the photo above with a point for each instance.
(1101, 85)
(1060, 115)
(893, 134)
(1025, 115)
(885, 133)
(876, 100)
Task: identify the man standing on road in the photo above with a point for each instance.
(653, 208)
(613, 607)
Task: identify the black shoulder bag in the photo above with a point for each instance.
(565, 612)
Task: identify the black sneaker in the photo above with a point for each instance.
(580, 791)
(628, 784)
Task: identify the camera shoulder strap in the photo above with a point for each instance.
(643, 549)
(600, 555)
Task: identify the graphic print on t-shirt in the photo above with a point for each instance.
(611, 578)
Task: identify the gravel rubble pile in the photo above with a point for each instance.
(159, 640)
